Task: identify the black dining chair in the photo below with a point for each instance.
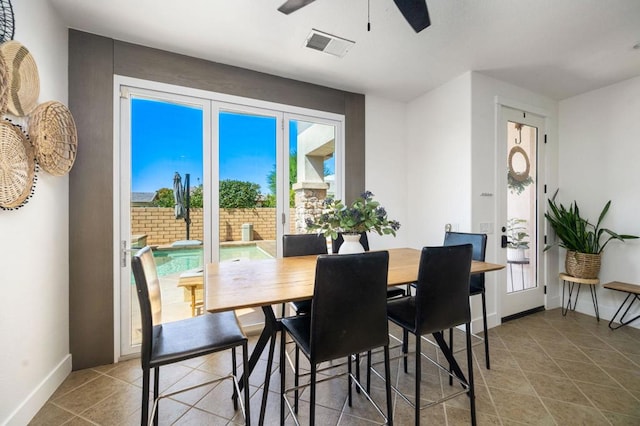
(172, 342)
(348, 316)
(364, 240)
(441, 302)
(476, 283)
(302, 245)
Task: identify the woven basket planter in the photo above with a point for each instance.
(582, 265)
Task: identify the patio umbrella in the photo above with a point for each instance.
(178, 196)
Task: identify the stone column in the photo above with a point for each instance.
(308, 199)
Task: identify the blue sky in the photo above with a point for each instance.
(167, 138)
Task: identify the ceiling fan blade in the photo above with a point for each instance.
(415, 12)
(292, 5)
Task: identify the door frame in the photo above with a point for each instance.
(542, 267)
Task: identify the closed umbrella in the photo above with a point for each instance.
(178, 196)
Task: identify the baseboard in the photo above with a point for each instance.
(23, 414)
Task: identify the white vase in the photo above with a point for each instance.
(351, 244)
(515, 254)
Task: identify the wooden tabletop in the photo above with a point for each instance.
(255, 283)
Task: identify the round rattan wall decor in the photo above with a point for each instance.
(17, 167)
(54, 136)
(7, 24)
(23, 81)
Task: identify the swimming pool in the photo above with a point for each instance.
(175, 260)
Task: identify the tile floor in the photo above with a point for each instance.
(546, 370)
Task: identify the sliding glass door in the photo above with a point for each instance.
(204, 180)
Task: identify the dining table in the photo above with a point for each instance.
(263, 283)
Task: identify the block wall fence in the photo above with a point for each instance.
(161, 227)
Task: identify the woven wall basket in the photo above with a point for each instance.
(23, 81)
(54, 136)
(17, 167)
(582, 265)
(4, 86)
(7, 23)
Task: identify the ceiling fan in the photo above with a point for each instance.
(414, 11)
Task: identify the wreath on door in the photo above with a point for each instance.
(518, 180)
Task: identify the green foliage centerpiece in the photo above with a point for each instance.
(364, 215)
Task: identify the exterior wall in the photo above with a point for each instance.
(161, 227)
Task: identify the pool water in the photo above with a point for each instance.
(174, 261)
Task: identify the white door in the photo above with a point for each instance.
(521, 138)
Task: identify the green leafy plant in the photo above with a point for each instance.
(364, 215)
(517, 233)
(576, 233)
(236, 194)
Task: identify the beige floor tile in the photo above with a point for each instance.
(585, 372)
(51, 415)
(611, 399)
(569, 414)
(89, 394)
(557, 388)
(547, 369)
(526, 409)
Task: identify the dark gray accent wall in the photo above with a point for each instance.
(93, 60)
(91, 201)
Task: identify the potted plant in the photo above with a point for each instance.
(363, 215)
(517, 238)
(583, 240)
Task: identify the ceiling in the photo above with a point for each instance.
(558, 48)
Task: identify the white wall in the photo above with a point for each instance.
(599, 153)
(438, 162)
(385, 173)
(34, 261)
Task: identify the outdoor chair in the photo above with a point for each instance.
(172, 342)
(441, 302)
(348, 316)
(476, 283)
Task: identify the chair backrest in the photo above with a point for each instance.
(335, 244)
(349, 308)
(303, 244)
(148, 288)
(442, 289)
(479, 243)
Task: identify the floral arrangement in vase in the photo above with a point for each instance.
(363, 215)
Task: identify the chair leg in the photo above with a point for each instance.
(369, 371)
(156, 393)
(296, 381)
(405, 347)
(312, 398)
(283, 368)
(349, 380)
(145, 396)
(472, 395)
(247, 393)
(234, 372)
(486, 331)
(451, 347)
(418, 379)
(358, 371)
(387, 381)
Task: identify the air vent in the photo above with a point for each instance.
(328, 43)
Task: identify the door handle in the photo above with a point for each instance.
(504, 241)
